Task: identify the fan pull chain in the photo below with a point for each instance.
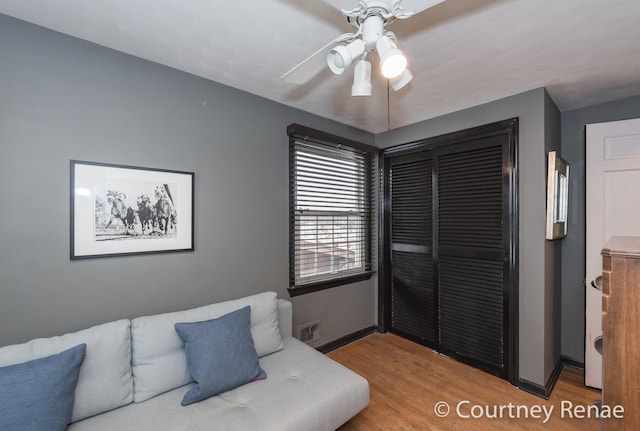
(388, 109)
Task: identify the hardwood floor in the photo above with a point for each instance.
(407, 381)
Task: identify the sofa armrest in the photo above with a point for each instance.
(285, 318)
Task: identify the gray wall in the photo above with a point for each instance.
(62, 98)
(553, 252)
(574, 245)
(533, 108)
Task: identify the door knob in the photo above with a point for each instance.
(597, 283)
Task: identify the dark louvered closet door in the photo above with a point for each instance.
(471, 253)
(412, 294)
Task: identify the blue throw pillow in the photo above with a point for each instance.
(38, 395)
(220, 354)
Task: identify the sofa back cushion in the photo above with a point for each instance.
(159, 361)
(105, 381)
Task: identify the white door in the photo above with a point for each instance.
(613, 208)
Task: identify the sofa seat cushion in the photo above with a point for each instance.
(305, 391)
(159, 362)
(105, 380)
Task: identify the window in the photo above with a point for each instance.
(329, 210)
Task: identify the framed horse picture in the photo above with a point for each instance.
(121, 210)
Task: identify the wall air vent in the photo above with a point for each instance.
(310, 332)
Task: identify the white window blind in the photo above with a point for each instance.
(330, 212)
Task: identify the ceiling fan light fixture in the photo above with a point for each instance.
(372, 29)
(392, 60)
(401, 80)
(370, 19)
(341, 56)
(362, 79)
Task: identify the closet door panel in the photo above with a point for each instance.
(470, 258)
(412, 293)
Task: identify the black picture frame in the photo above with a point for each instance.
(120, 210)
(557, 197)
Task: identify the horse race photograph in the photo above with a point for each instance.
(129, 210)
(119, 210)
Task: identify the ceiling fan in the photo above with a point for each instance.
(369, 19)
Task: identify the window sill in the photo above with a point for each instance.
(328, 284)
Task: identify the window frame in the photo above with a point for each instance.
(299, 133)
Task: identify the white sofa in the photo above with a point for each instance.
(135, 374)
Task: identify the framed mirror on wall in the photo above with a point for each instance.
(557, 197)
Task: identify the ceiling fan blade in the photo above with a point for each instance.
(312, 65)
(343, 4)
(417, 6)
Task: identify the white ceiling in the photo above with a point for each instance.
(461, 52)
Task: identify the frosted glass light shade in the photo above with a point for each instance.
(401, 80)
(392, 60)
(340, 57)
(362, 79)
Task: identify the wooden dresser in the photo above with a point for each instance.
(621, 329)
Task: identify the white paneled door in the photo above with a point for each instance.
(613, 208)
